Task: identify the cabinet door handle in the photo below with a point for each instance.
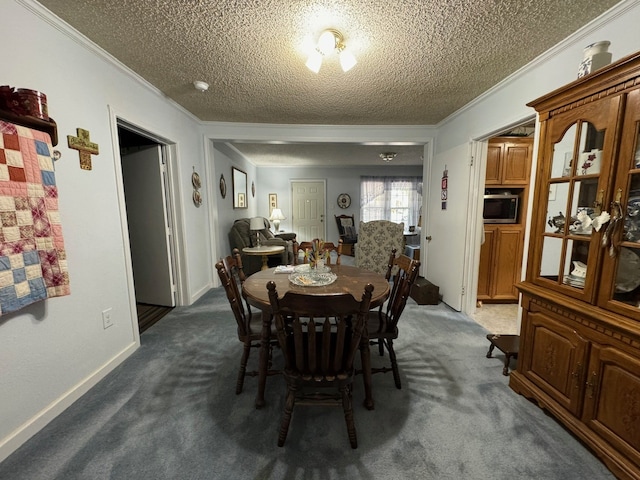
(576, 374)
(593, 384)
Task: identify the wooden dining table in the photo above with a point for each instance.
(350, 280)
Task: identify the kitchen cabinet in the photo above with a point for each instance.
(508, 166)
(509, 161)
(579, 354)
(500, 263)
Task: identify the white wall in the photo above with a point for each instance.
(505, 105)
(53, 351)
(224, 159)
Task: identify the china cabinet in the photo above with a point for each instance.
(580, 335)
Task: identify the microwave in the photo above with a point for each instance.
(501, 208)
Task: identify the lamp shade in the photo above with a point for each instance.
(276, 214)
(256, 223)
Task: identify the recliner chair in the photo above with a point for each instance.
(241, 236)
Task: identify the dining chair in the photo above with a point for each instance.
(382, 324)
(319, 338)
(249, 326)
(328, 246)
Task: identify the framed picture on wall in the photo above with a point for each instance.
(273, 202)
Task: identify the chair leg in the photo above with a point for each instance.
(394, 364)
(289, 403)
(347, 406)
(381, 347)
(365, 360)
(243, 367)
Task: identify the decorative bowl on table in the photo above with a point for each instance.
(312, 279)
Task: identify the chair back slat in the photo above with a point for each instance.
(341, 335)
(402, 281)
(319, 336)
(234, 297)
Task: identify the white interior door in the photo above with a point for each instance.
(448, 226)
(309, 203)
(149, 234)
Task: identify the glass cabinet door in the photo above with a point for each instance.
(574, 178)
(620, 290)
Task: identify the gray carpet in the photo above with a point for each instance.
(170, 412)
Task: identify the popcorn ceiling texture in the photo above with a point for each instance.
(418, 61)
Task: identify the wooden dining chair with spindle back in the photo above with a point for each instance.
(249, 326)
(328, 247)
(319, 337)
(382, 324)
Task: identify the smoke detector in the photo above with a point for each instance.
(201, 86)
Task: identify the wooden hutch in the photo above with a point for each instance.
(580, 339)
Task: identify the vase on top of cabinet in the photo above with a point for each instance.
(580, 335)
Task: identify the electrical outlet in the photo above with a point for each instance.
(107, 321)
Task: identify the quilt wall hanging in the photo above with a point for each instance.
(33, 261)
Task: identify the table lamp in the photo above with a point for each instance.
(255, 225)
(276, 216)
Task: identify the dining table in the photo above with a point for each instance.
(349, 279)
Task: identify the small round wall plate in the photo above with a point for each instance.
(197, 198)
(223, 187)
(253, 189)
(195, 181)
(344, 200)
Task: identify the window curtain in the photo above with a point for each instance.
(397, 199)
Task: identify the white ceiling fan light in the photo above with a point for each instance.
(388, 156)
(330, 41)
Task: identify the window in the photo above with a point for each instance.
(397, 199)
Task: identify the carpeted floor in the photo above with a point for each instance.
(170, 412)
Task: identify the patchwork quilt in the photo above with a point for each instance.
(33, 262)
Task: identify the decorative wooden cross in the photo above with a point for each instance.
(85, 147)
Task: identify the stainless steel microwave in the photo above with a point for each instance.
(501, 208)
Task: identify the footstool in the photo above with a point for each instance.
(507, 344)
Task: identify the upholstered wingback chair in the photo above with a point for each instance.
(241, 236)
(376, 239)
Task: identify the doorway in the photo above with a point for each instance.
(145, 183)
(308, 198)
(508, 170)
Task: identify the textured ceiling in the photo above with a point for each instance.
(418, 61)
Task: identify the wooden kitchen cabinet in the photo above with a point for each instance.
(579, 354)
(500, 263)
(509, 161)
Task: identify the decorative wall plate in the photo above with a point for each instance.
(344, 200)
(253, 189)
(223, 187)
(195, 181)
(197, 198)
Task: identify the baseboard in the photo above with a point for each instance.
(17, 438)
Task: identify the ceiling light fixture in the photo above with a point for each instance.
(388, 156)
(330, 40)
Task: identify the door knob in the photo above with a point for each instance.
(428, 237)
